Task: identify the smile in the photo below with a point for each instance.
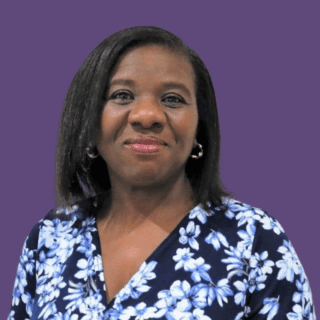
(144, 148)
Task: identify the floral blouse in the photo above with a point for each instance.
(237, 264)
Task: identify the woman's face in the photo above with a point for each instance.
(149, 106)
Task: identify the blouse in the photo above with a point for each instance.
(236, 263)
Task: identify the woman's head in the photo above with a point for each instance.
(78, 176)
(151, 93)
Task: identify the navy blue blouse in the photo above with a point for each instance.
(237, 264)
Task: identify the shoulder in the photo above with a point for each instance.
(61, 221)
(244, 220)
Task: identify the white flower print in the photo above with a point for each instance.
(166, 303)
(49, 309)
(238, 259)
(256, 281)
(269, 224)
(246, 216)
(196, 314)
(141, 311)
(199, 270)
(244, 314)
(11, 315)
(87, 269)
(189, 277)
(183, 257)
(303, 293)
(240, 297)
(215, 238)
(200, 213)
(260, 264)
(189, 234)
(247, 236)
(290, 264)
(92, 308)
(271, 306)
(27, 299)
(186, 296)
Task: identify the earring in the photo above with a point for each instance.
(92, 152)
(200, 154)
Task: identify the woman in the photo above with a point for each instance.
(145, 228)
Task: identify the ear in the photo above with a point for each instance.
(195, 143)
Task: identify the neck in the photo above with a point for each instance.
(131, 207)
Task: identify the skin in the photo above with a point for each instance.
(148, 190)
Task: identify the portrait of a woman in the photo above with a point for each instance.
(145, 228)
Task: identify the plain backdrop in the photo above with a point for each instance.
(263, 58)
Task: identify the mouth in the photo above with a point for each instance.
(145, 140)
(144, 148)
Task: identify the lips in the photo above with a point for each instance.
(148, 140)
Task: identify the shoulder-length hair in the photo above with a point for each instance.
(79, 177)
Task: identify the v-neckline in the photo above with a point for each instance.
(147, 260)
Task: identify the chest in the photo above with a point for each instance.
(122, 257)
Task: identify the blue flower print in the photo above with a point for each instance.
(199, 213)
(247, 236)
(271, 306)
(183, 257)
(303, 293)
(240, 297)
(78, 292)
(189, 234)
(137, 284)
(141, 311)
(26, 260)
(27, 299)
(45, 265)
(48, 310)
(87, 269)
(260, 264)
(244, 314)
(52, 231)
(166, 304)
(255, 281)
(229, 264)
(65, 316)
(231, 206)
(213, 291)
(301, 313)
(187, 296)
(11, 316)
(196, 314)
(86, 246)
(215, 238)
(199, 270)
(92, 308)
(290, 264)
(269, 224)
(65, 248)
(247, 215)
(238, 259)
(19, 284)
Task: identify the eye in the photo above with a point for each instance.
(177, 100)
(120, 94)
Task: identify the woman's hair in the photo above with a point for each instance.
(79, 177)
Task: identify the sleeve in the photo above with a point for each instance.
(25, 281)
(277, 286)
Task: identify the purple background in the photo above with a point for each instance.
(264, 62)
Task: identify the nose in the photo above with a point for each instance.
(146, 113)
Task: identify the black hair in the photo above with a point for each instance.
(79, 177)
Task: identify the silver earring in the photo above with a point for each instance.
(200, 154)
(92, 152)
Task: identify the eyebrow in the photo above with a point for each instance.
(167, 84)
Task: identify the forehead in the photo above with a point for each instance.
(154, 60)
